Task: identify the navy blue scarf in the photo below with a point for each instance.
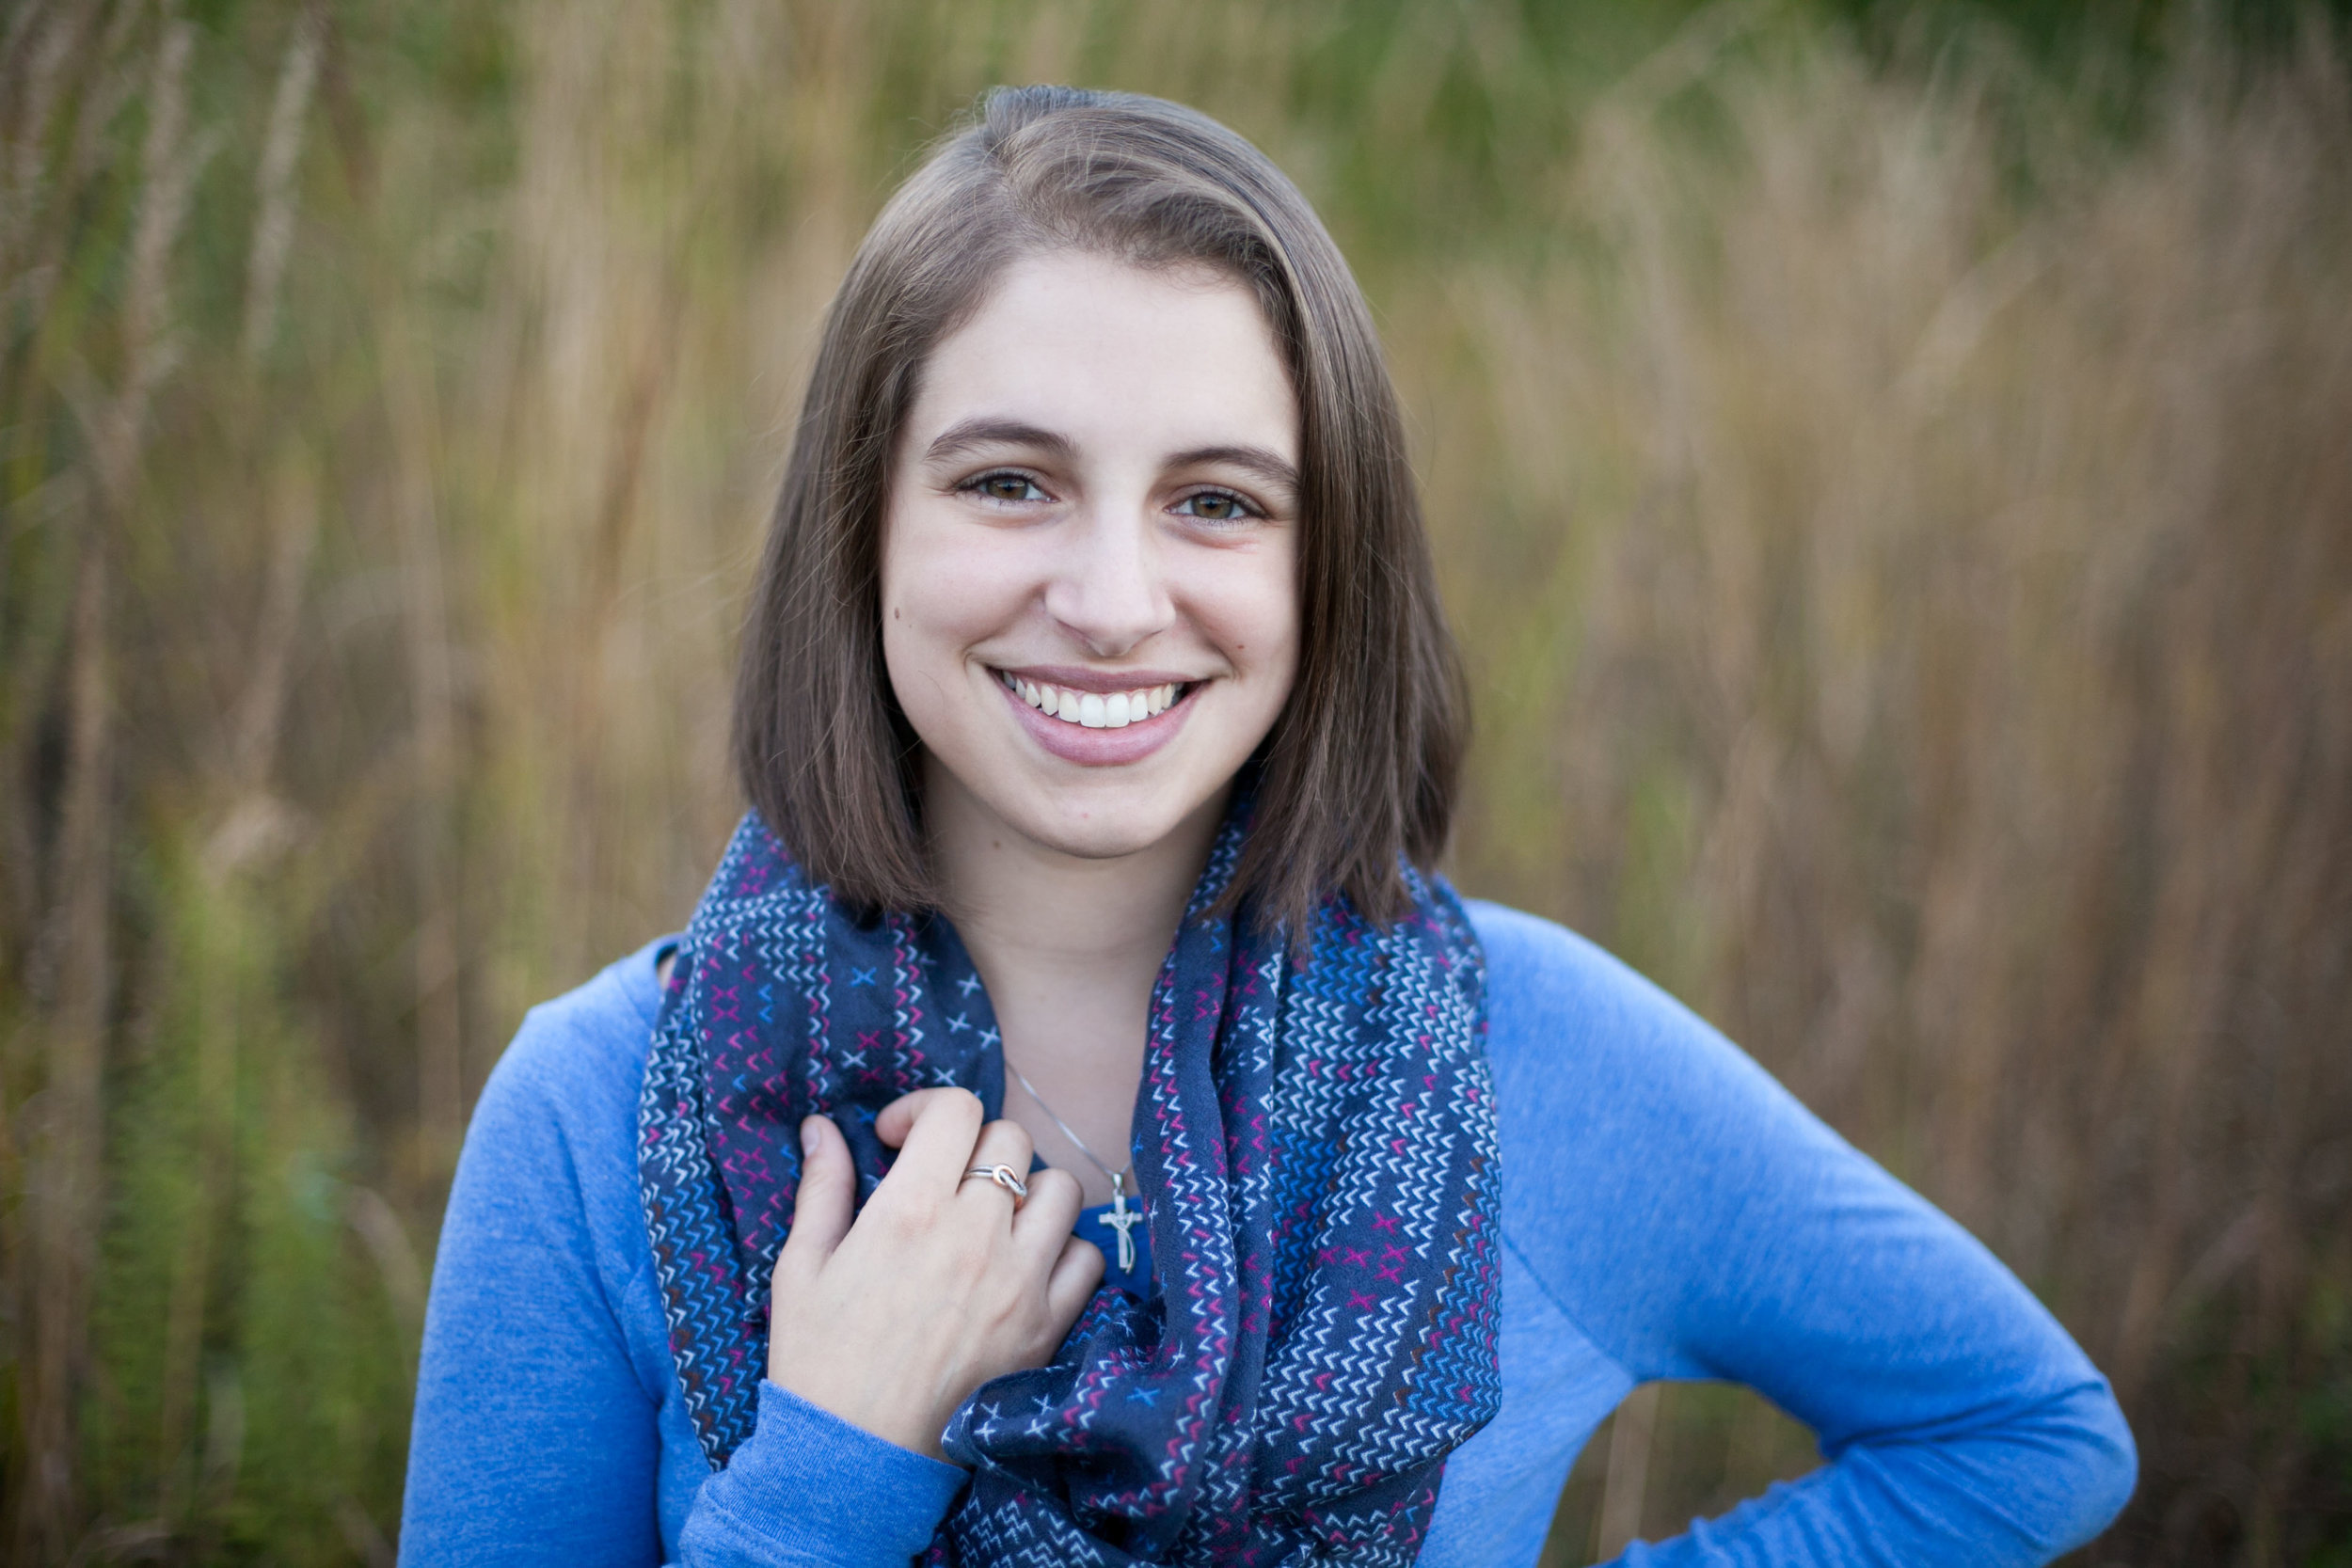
(1314, 1141)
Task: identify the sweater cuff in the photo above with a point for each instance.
(808, 1487)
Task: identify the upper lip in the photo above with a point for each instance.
(1070, 677)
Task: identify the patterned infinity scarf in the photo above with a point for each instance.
(1315, 1146)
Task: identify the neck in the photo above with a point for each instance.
(1038, 919)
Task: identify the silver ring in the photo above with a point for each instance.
(1003, 1176)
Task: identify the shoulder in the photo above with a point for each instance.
(555, 1125)
(1645, 1158)
(1572, 1029)
(582, 1056)
(1536, 965)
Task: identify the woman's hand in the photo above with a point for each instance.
(938, 1286)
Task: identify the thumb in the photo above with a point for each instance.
(825, 1204)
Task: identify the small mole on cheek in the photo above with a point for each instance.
(894, 611)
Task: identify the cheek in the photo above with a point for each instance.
(919, 633)
(1262, 623)
(940, 596)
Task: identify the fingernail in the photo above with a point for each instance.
(808, 1135)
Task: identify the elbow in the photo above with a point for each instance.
(2093, 1466)
(2112, 1463)
(2045, 1479)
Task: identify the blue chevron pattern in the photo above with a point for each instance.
(1315, 1146)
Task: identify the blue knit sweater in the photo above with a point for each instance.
(1668, 1211)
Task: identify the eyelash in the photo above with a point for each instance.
(976, 486)
(1244, 510)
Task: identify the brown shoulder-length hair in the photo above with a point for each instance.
(1361, 765)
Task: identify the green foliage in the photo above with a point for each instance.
(256, 1314)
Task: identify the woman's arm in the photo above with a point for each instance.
(1695, 1221)
(538, 1434)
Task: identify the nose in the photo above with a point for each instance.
(1108, 589)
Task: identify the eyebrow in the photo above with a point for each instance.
(957, 439)
(969, 434)
(1268, 466)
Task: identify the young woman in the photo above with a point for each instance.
(1077, 1126)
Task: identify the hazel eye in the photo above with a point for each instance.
(1215, 506)
(1006, 485)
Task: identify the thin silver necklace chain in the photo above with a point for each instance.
(1120, 1218)
(1077, 1142)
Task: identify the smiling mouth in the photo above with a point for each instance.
(1095, 710)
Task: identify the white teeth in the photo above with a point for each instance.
(1093, 710)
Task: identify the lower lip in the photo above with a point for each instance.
(1103, 748)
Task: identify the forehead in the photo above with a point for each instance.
(1115, 356)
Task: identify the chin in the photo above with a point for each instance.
(1095, 829)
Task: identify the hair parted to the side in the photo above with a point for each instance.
(1361, 763)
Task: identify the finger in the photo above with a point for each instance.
(826, 1201)
(894, 1120)
(1078, 1275)
(1045, 1220)
(933, 1131)
(1000, 1142)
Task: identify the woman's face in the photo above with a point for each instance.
(1089, 556)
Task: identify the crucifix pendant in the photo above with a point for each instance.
(1123, 1221)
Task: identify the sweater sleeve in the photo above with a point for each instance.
(537, 1435)
(1696, 1221)
(808, 1488)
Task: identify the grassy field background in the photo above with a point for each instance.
(1892, 469)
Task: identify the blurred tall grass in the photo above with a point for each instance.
(1897, 492)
